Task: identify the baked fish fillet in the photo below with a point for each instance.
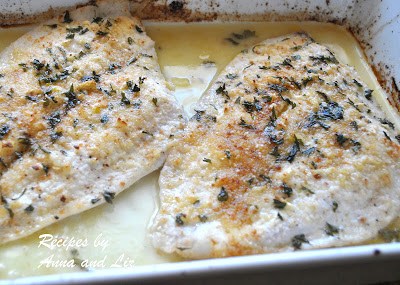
(287, 150)
(84, 113)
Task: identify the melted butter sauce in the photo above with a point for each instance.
(190, 55)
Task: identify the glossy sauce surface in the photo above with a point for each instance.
(190, 56)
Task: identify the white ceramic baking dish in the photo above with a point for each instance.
(376, 25)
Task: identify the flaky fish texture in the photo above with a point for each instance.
(84, 113)
(287, 150)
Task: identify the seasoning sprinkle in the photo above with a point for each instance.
(223, 195)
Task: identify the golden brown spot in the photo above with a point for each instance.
(317, 176)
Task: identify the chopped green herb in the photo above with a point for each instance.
(275, 136)
(109, 196)
(279, 204)
(273, 116)
(130, 41)
(104, 119)
(203, 218)
(207, 160)
(37, 64)
(55, 136)
(356, 146)
(298, 240)
(67, 18)
(287, 100)
(179, 219)
(387, 136)
(45, 168)
(324, 96)
(154, 100)
(231, 76)
(306, 80)
(277, 87)
(228, 154)
(288, 191)
(265, 178)
(357, 83)
(74, 29)
(293, 151)
(296, 57)
(10, 93)
(295, 83)
(267, 98)
(113, 66)
(353, 105)
(296, 48)
(243, 124)
(309, 151)
(108, 24)
(95, 200)
(4, 130)
(331, 230)
(250, 181)
(102, 34)
(307, 190)
(72, 98)
(138, 29)
(252, 106)
(275, 152)
(287, 62)
(198, 115)
(124, 101)
(368, 94)
(29, 209)
(222, 90)
(97, 20)
(386, 122)
(324, 59)
(25, 141)
(84, 31)
(335, 205)
(52, 26)
(327, 111)
(223, 195)
(147, 133)
(141, 80)
(136, 104)
(54, 119)
(132, 60)
(94, 77)
(24, 66)
(341, 139)
(354, 125)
